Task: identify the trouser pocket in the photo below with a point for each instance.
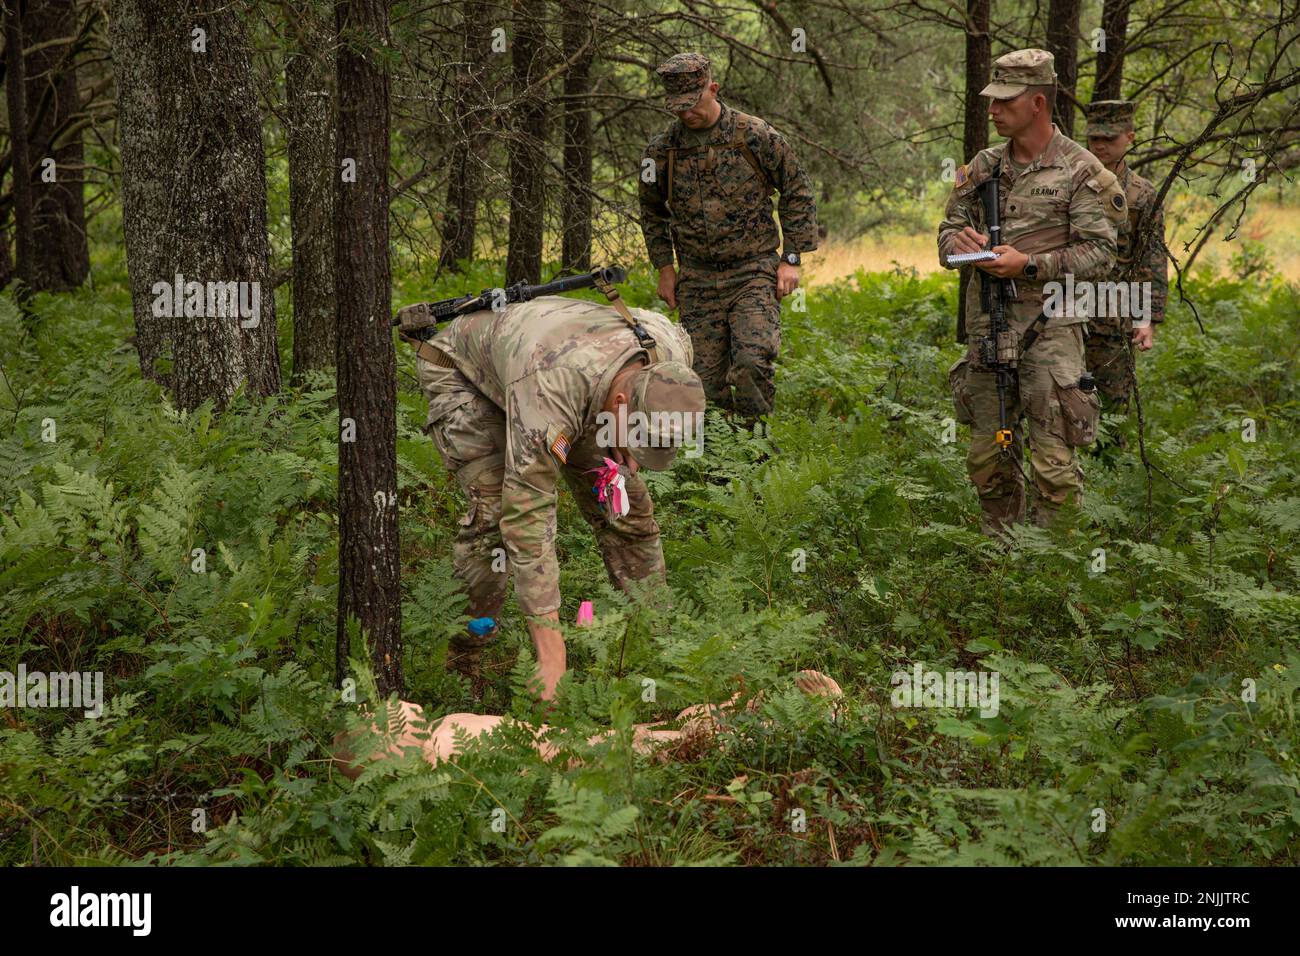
(1080, 412)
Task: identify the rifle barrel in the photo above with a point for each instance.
(524, 293)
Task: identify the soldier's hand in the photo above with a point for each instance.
(787, 279)
(413, 318)
(627, 460)
(1008, 265)
(1144, 338)
(668, 286)
(969, 240)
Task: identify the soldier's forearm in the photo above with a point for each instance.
(661, 258)
(946, 238)
(1083, 260)
(552, 656)
(658, 242)
(799, 227)
(527, 524)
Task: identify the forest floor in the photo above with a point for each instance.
(1146, 647)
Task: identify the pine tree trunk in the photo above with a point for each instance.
(369, 561)
(465, 181)
(576, 199)
(62, 255)
(6, 257)
(527, 144)
(194, 196)
(1110, 61)
(975, 133)
(20, 165)
(1062, 43)
(309, 91)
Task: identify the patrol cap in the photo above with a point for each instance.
(1015, 72)
(1109, 117)
(667, 401)
(685, 77)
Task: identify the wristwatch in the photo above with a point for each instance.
(1031, 269)
(791, 258)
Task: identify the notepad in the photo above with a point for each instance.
(964, 257)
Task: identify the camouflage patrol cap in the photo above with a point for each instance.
(670, 401)
(1018, 70)
(1109, 117)
(684, 77)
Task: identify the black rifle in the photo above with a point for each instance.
(999, 350)
(435, 312)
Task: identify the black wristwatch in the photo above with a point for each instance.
(791, 258)
(1031, 269)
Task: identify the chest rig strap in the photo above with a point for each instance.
(740, 141)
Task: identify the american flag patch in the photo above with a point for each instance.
(963, 174)
(560, 448)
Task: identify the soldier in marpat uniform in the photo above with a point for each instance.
(522, 396)
(710, 203)
(1059, 210)
(1110, 134)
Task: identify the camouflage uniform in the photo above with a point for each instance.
(1062, 208)
(512, 409)
(1108, 336)
(718, 219)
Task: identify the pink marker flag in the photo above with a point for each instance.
(611, 489)
(585, 614)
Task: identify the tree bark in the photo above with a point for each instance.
(6, 257)
(62, 255)
(15, 97)
(979, 63)
(576, 199)
(1062, 43)
(465, 181)
(309, 91)
(194, 197)
(975, 134)
(527, 144)
(369, 560)
(1110, 61)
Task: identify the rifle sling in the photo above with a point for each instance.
(427, 352)
(1031, 334)
(616, 300)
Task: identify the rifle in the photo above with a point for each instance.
(421, 321)
(1000, 349)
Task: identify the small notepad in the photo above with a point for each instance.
(964, 257)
